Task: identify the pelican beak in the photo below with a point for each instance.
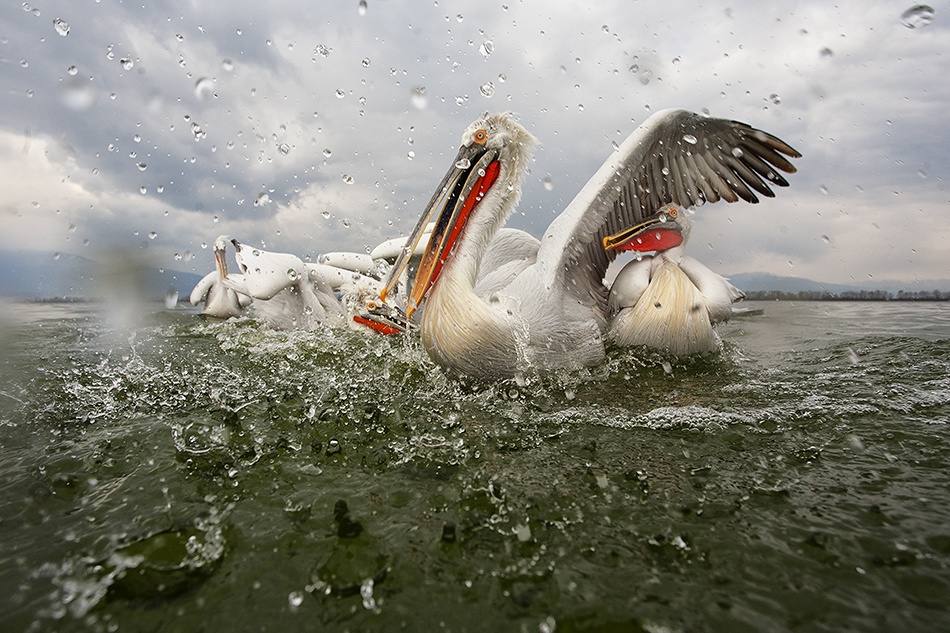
(465, 184)
(221, 259)
(659, 233)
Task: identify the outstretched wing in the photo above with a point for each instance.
(676, 157)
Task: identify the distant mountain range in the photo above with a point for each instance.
(44, 275)
(764, 282)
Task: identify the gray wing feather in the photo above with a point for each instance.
(676, 157)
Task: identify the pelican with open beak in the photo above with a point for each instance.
(554, 313)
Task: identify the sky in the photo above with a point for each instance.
(307, 127)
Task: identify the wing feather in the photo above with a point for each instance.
(675, 157)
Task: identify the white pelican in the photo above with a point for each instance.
(284, 295)
(554, 312)
(640, 295)
(220, 300)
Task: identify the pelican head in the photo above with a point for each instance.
(491, 161)
(667, 228)
(221, 255)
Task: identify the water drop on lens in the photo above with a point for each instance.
(689, 138)
(918, 16)
(487, 89)
(62, 27)
(204, 88)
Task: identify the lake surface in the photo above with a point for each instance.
(163, 472)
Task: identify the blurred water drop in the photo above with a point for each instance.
(78, 94)
(348, 179)
(418, 98)
(853, 357)
(136, 138)
(410, 155)
(667, 367)
(204, 88)
(72, 70)
(142, 166)
(775, 99)
(826, 52)
(523, 532)
(463, 163)
(823, 189)
(61, 26)
(326, 215)
(143, 190)
(366, 62)
(487, 89)
(56, 256)
(548, 182)
(361, 8)
(737, 152)
(283, 148)
(227, 65)
(171, 299)
(160, 188)
(366, 592)
(127, 63)
(459, 17)
(262, 200)
(487, 48)
(327, 152)
(689, 138)
(825, 239)
(339, 93)
(918, 16)
(152, 235)
(295, 599)
(292, 274)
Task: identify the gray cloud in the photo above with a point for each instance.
(309, 127)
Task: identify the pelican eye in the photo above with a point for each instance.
(480, 137)
(673, 213)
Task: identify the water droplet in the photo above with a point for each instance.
(152, 235)
(61, 26)
(136, 138)
(548, 182)
(127, 63)
(411, 155)
(366, 592)
(918, 16)
(295, 599)
(72, 70)
(292, 274)
(283, 148)
(487, 48)
(348, 179)
(262, 199)
(346, 223)
(823, 189)
(204, 88)
(322, 50)
(142, 166)
(326, 215)
(327, 152)
(689, 138)
(71, 228)
(78, 94)
(737, 152)
(143, 190)
(418, 98)
(366, 62)
(160, 188)
(487, 89)
(775, 99)
(825, 239)
(361, 9)
(227, 65)
(463, 163)
(56, 256)
(171, 299)
(459, 17)
(339, 93)
(826, 52)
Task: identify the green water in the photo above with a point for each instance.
(183, 475)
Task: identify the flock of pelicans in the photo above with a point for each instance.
(491, 301)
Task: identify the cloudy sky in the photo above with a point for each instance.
(325, 125)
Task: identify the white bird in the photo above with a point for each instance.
(285, 296)
(639, 297)
(554, 312)
(220, 300)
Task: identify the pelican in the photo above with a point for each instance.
(285, 296)
(220, 300)
(554, 312)
(639, 296)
